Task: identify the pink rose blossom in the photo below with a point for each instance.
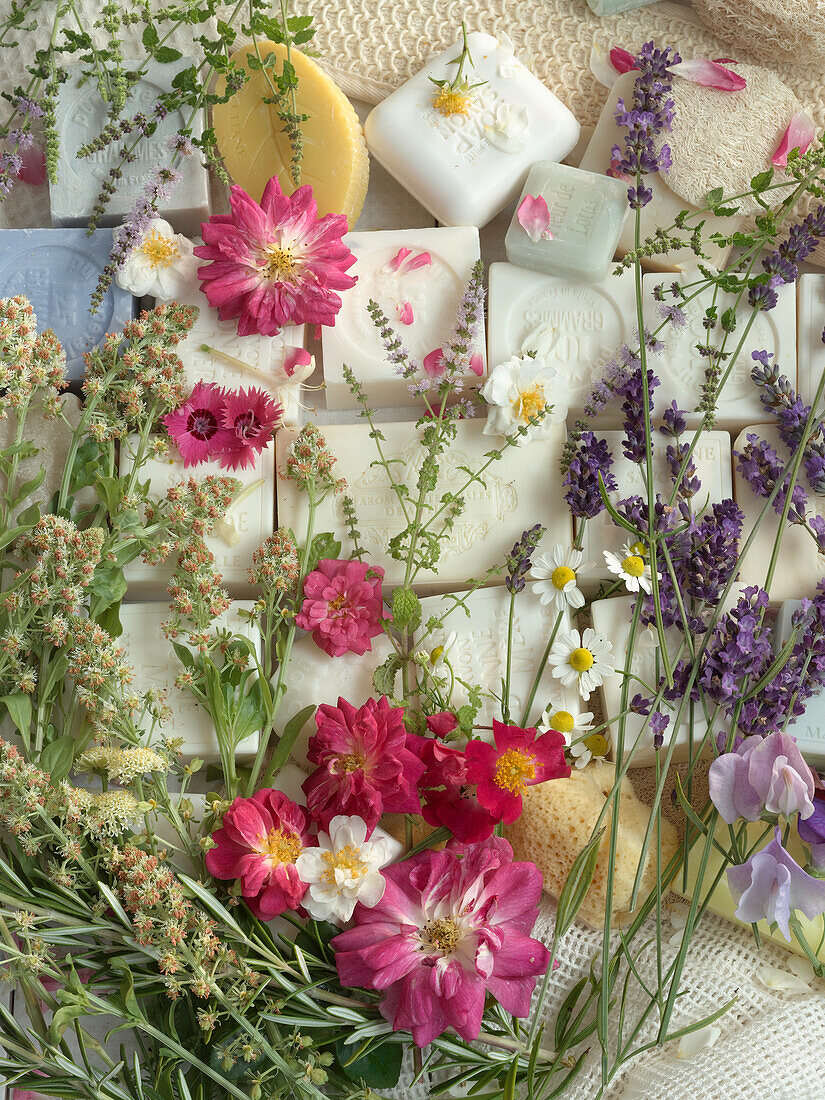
(274, 263)
(343, 607)
(197, 426)
(250, 417)
(762, 775)
(518, 760)
(258, 843)
(451, 927)
(449, 798)
(442, 723)
(710, 74)
(367, 763)
(799, 135)
(534, 218)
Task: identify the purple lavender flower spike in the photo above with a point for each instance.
(658, 724)
(592, 457)
(633, 408)
(762, 776)
(770, 885)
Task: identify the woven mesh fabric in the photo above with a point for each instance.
(783, 29)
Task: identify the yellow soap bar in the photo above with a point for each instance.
(722, 902)
(254, 146)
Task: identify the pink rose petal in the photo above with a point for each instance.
(622, 61)
(296, 360)
(799, 135)
(397, 259)
(33, 170)
(401, 263)
(477, 364)
(405, 313)
(534, 218)
(710, 74)
(434, 363)
(422, 259)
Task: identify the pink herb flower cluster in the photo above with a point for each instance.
(232, 426)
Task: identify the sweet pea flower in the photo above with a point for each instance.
(770, 885)
(520, 759)
(762, 776)
(812, 831)
(343, 607)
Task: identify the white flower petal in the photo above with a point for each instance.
(696, 1041)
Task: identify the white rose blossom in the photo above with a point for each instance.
(344, 869)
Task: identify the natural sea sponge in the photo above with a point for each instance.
(557, 822)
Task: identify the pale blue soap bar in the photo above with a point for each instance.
(586, 213)
(82, 114)
(809, 730)
(57, 270)
(613, 7)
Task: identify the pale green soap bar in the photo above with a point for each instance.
(613, 7)
(587, 211)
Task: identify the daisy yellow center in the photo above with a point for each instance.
(639, 549)
(563, 721)
(562, 576)
(580, 659)
(449, 102)
(597, 743)
(443, 933)
(634, 566)
(160, 251)
(280, 264)
(351, 762)
(281, 847)
(346, 859)
(513, 769)
(529, 403)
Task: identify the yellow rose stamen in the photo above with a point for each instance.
(280, 847)
(529, 403)
(513, 769)
(347, 859)
(449, 102)
(581, 659)
(443, 933)
(160, 251)
(280, 264)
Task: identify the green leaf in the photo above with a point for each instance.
(291, 730)
(150, 36)
(324, 545)
(56, 758)
(211, 904)
(762, 181)
(165, 54)
(109, 619)
(379, 1068)
(383, 678)
(406, 609)
(715, 196)
(19, 707)
(576, 885)
(110, 491)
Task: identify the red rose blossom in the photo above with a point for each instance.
(519, 759)
(448, 797)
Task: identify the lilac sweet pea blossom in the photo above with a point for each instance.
(762, 776)
(812, 831)
(771, 885)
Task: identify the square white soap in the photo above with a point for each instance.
(248, 521)
(713, 467)
(681, 368)
(157, 666)
(664, 206)
(811, 321)
(496, 513)
(612, 617)
(576, 327)
(421, 303)
(809, 728)
(81, 114)
(799, 567)
(464, 167)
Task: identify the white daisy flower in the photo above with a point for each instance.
(344, 869)
(517, 391)
(557, 575)
(582, 660)
(631, 567)
(163, 264)
(565, 719)
(584, 751)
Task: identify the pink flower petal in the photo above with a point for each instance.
(33, 170)
(710, 74)
(401, 262)
(405, 313)
(434, 363)
(534, 218)
(799, 135)
(422, 259)
(622, 61)
(297, 360)
(397, 259)
(477, 364)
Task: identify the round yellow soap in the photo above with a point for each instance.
(254, 147)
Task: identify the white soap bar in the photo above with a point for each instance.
(809, 728)
(465, 167)
(681, 369)
(478, 654)
(811, 321)
(575, 327)
(799, 567)
(612, 617)
(248, 521)
(520, 489)
(82, 114)
(661, 211)
(420, 302)
(157, 666)
(712, 461)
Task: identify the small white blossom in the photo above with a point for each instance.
(631, 567)
(518, 391)
(582, 660)
(557, 576)
(344, 869)
(163, 264)
(566, 720)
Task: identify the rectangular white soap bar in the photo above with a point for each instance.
(811, 322)
(466, 165)
(575, 327)
(713, 467)
(420, 302)
(809, 729)
(681, 368)
(612, 617)
(157, 666)
(520, 489)
(799, 566)
(664, 206)
(82, 114)
(248, 521)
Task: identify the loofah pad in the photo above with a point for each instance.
(782, 30)
(723, 139)
(557, 822)
(645, 780)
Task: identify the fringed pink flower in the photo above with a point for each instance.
(250, 417)
(451, 927)
(343, 607)
(258, 843)
(799, 135)
(367, 763)
(275, 262)
(197, 426)
(534, 218)
(710, 74)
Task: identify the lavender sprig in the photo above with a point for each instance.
(520, 558)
